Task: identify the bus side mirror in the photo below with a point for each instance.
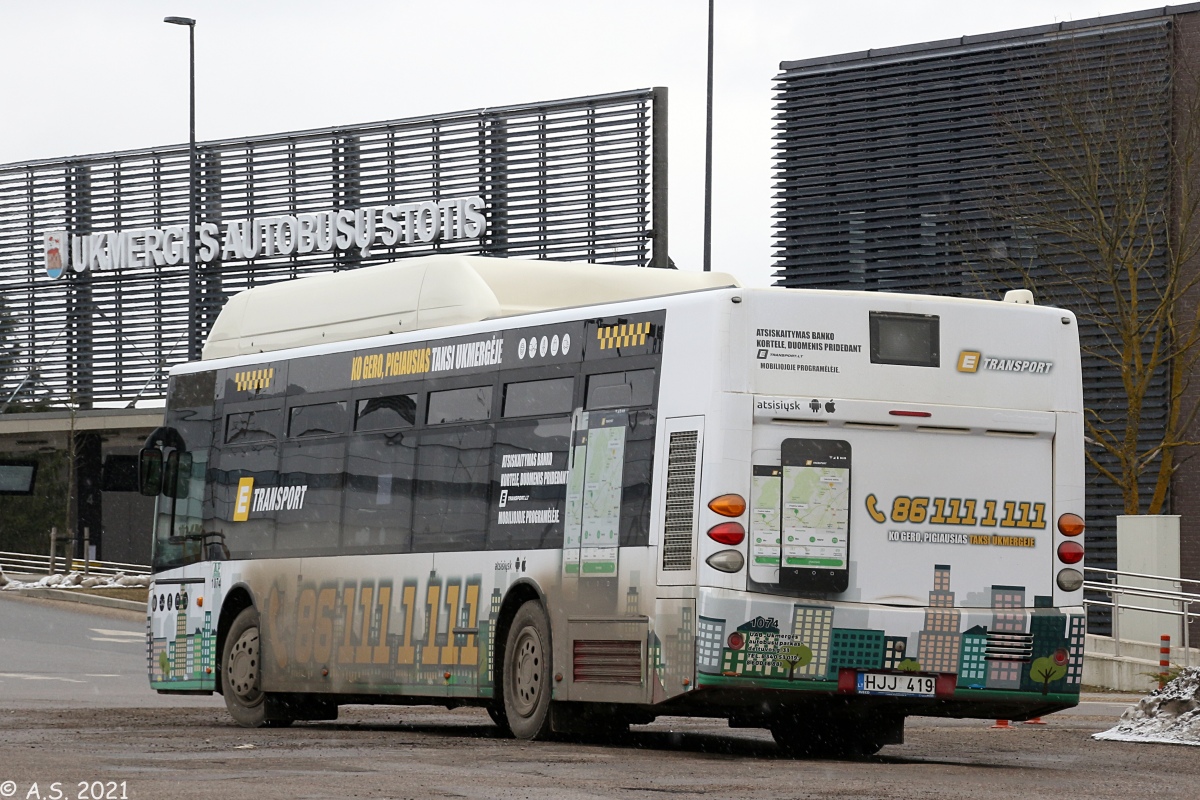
(150, 472)
(177, 474)
(183, 475)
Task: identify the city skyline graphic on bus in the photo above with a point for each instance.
(952, 640)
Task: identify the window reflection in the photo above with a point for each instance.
(460, 405)
(620, 389)
(386, 413)
(243, 427)
(319, 419)
(530, 398)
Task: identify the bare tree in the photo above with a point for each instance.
(1100, 193)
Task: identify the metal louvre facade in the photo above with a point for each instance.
(581, 179)
(887, 167)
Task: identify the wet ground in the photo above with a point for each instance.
(426, 752)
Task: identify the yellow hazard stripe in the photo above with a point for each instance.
(254, 380)
(626, 335)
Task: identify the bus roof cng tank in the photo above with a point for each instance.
(428, 292)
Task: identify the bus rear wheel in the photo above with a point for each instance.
(241, 674)
(526, 678)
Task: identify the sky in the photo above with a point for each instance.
(93, 76)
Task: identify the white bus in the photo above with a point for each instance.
(580, 495)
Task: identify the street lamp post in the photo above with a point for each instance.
(193, 348)
(708, 149)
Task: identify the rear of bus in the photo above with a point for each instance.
(913, 487)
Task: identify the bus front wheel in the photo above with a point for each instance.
(241, 673)
(496, 712)
(527, 682)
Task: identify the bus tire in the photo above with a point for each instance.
(526, 676)
(241, 673)
(496, 712)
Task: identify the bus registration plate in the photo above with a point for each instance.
(885, 683)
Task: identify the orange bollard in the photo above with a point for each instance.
(1002, 724)
(1034, 721)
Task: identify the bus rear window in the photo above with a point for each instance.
(909, 340)
(620, 389)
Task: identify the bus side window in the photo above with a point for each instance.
(319, 419)
(620, 389)
(378, 499)
(471, 404)
(451, 504)
(243, 427)
(386, 413)
(534, 398)
(251, 535)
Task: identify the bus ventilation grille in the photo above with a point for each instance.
(1009, 646)
(607, 661)
(681, 501)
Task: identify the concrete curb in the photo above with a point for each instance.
(76, 596)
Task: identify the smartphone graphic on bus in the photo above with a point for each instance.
(815, 515)
(765, 496)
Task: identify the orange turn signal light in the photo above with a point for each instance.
(728, 505)
(1070, 525)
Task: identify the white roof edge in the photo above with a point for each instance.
(428, 292)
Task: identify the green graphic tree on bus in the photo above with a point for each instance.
(1048, 669)
(794, 655)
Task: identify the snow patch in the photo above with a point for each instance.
(77, 580)
(1170, 715)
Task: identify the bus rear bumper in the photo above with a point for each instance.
(714, 692)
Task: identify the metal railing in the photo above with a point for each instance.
(35, 564)
(1111, 585)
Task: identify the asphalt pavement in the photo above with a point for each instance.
(62, 653)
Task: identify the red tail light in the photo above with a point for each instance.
(1070, 552)
(736, 640)
(729, 533)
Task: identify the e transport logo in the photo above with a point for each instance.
(972, 361)
(249, 500)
